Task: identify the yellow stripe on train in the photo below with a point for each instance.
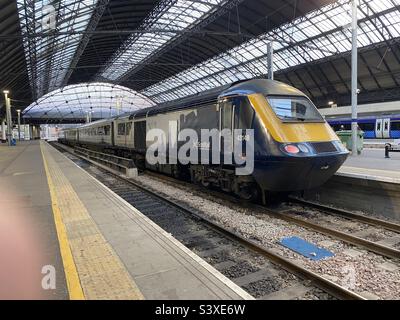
(290, 132)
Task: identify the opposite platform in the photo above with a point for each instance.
(367, 183)
(372, 165)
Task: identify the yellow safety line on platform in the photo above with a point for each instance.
(71, 274)
(99, 271)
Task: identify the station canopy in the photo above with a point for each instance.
(168, 49)
(98, 100)
(321, 34)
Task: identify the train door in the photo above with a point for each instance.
(139, 136)
(243, 120)
(226, 113)
(386, 128)
(129, 135)
(379, 128)
(172, 140)
(113, 133)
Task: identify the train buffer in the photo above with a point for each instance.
(392, 147)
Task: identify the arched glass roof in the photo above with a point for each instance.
(320, 34)
(54, 60)
(176, 16)
(102, 100)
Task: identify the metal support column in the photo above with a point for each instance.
(19, 124)
(8, 117)
(31, 132)
(3, 129)
(270, 60)
(354, 89)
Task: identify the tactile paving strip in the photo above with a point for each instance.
(101, 273)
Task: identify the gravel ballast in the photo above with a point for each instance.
(352, 267)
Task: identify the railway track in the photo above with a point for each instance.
(372, 246)
(258, 270)
(378, 248)
(349, 215)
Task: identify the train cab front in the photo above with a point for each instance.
(295, 148)
(299, 166)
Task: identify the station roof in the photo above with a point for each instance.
(99, 100)
(168, 49)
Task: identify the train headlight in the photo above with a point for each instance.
(291, 148)
(339, 146)
(303, 148)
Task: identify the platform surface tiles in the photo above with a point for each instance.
(82, 241)
(371, 164)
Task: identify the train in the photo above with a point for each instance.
(294, 148)
(377, 120)
(372, 126)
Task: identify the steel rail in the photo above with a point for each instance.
(348, 238)
(348, 214)
(324, 284)
(319, 281)
(371, 246)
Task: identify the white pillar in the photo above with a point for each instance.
(3, 130)
(9, 119)
(270, 60)
(31, 132)
(19, 125)
(354, 89)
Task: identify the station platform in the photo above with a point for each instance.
(64, 235)
(377, 143)
(371, 164)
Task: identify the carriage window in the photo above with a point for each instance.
(294, 108)
(386, 126)
(100, 131)
(395, 125)
(378, 126)
(121, 129)
(107, 130)
(128, 128)
(366, 126)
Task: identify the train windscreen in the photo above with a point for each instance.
(294, 109)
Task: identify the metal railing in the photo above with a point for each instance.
(122, 165)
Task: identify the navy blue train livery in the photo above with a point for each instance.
(294, 147)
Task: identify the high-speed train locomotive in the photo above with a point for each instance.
(294, 147)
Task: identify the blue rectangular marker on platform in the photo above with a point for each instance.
(306, 248)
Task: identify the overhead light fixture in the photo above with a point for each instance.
(6, 92)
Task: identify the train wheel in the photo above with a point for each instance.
(205, 183)
(248, 192)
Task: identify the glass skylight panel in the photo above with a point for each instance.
(394, 28)
(54, 52)
(241, 62)
(74, 101)
(179, 16)
(379, 5)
